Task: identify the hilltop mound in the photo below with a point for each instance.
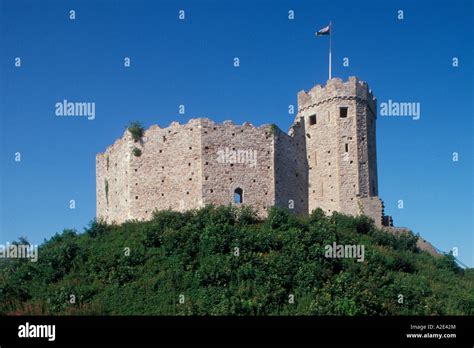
(225, 261)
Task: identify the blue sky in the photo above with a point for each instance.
(190, 62)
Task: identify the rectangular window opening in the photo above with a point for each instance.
(343, 111)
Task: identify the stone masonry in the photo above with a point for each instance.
(326, 160)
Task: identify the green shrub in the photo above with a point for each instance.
(194, 253)
(137, 152)
(96, 227)
(136, 130)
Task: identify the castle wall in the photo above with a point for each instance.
(372, 148)
(372, 207)
(291, 170)
(112, 177)
(167, 175)
(366, 139)
(237, 156)
(327, 160)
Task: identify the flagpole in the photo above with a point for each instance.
(330, 57)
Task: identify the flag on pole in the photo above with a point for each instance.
(327, 31)
(324, 31)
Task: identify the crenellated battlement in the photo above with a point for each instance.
(175, 126)
(336, 88)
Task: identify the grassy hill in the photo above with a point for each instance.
(224, 261)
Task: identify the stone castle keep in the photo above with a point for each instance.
(327, 160)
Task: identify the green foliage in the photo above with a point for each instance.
(136, 129)
(273, 129)
(226, 261)
(96, 227)
(137, 152)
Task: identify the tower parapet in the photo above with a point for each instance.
(336, 88)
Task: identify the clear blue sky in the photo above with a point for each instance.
(190, 62)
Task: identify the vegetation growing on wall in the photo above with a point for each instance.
(273, 129)
(136, 130)
(137, 152)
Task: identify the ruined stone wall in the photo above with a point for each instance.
(167, 174)
(291, 169)
(372, 207)
(237, 156)
(112, 171)
(184, 167)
